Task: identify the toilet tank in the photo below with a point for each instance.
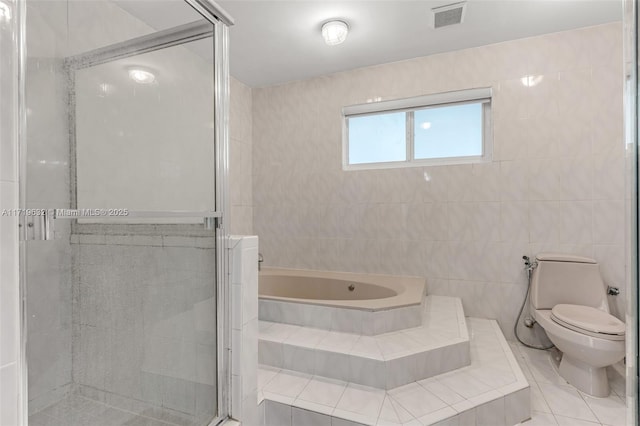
(562, 278)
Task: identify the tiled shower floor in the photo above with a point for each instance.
(76, 410)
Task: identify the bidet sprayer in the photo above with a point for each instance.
(528, 322)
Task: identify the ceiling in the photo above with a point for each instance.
(273, 42)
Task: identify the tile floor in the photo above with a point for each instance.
(556, 403)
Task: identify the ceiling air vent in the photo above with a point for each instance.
(450, 14)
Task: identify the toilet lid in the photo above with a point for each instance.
(589, 319)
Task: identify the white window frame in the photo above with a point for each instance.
(410, 105)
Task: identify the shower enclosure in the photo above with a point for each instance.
(122, 191)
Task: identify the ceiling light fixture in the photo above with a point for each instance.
(335, 32)
(142, 76)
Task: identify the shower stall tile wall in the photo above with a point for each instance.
(555, 183)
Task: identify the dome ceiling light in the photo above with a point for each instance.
(335, 32)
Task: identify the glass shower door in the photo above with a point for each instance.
(121, 225)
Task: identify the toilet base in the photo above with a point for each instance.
(586, 378)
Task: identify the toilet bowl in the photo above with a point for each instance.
(584, 356)
(569, 302)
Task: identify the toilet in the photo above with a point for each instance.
(569, 301)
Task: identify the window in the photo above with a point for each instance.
(445, 128)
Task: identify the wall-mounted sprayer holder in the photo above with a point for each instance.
(613, 291)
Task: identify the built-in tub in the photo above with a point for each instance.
(357, 303)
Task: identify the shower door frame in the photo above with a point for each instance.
(217, 220)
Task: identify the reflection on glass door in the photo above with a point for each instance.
(121, 271)
(144, 127)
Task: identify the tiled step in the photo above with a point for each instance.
(490, 391)
(384, 361)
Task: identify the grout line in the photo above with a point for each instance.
(339, 399)
(272, 377)
(589, 406)
(392, 400)
(537, 384)
(380, 409)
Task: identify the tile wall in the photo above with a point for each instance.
(243, 270)
(9, 297)
(556, 182)
(240, 139)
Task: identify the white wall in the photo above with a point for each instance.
(556, 182)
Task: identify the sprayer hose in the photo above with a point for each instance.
(515, 327)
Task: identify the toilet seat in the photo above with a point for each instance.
(590, 321)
